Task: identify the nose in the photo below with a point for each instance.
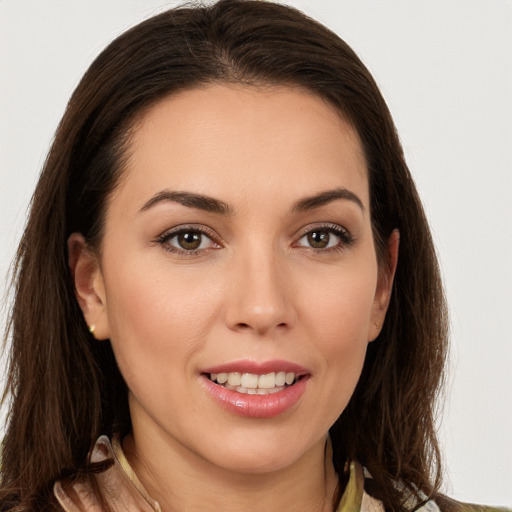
(260, 294)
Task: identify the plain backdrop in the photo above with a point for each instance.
(445, 68)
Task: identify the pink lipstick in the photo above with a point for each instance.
(256, 389)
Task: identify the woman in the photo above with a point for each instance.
(210, 278)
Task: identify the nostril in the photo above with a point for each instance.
(243, 326)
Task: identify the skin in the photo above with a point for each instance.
(255, 290)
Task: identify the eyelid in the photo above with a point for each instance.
(322, 225)
(176, 230)
(346, 238)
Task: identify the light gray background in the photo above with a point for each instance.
(445, 68)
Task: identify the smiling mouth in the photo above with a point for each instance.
(254, 384)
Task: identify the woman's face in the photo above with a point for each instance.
(237, 245)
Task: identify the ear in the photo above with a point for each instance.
(384, 285)
(89, 285)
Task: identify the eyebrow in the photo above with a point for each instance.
(212, 205)
(326, 197)
(191, 200)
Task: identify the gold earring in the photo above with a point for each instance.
(377, 326)
(92, 328)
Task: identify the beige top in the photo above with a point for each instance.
(123, 491)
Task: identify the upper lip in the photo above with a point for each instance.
(258, 367)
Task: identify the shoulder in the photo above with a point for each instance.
(111, 488)
(361, 478)
(448, 505)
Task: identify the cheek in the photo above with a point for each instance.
(156, 300)
(342, 338)
(340, 306)
(157, 321)
(338, 320)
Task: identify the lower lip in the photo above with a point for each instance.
(256, 406)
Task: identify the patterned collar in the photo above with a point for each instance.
(123, 491)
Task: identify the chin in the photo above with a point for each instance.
(257, 463)
(263, 455)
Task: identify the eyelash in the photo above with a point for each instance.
(165, 237)
(344, 236)
(345, 239)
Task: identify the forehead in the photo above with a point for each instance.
(241, 141)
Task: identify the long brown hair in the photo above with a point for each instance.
(65, 389)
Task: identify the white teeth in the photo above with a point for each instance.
(253, 384)
(267, 381)
(234, 379)
(258, 391)
(281, 378)
(249, 380)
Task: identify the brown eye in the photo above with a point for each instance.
(189, 240)
(324, 238)
(318, 239)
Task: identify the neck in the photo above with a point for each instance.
(173, 476)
